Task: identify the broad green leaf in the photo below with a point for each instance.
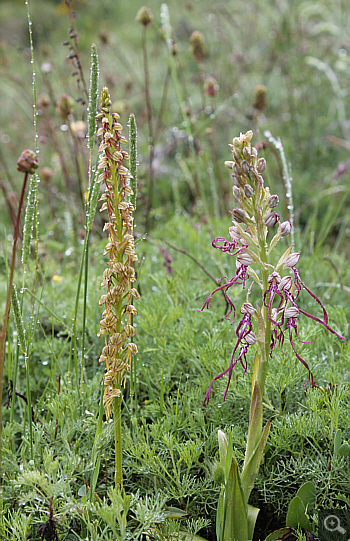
(174, 512)
(337, 441)
(229, 456)
(220, 517)
(344, 449)
(251, 466)
(252, 516)
(307, 494)
(277, 534)
(190, 537)
(296, 514)
(236, 527)
(255, 370)
(255, 422)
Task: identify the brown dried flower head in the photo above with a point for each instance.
(211, 87)
(64, 106)
(197, 45)
(27, 162)
(260, 98)
(144, 16)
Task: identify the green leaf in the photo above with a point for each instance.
(296, 514)
(255, 422)
(251, 466)
(337, 441)
(255, 371)
(307, 494)
(174, 512)
(344, 449)
(236, 526)
(252, 516)
(190, 537)
(277, 534)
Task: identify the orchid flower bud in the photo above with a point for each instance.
(286, 228)
(290, 312)
(274, 277)
(247, 308)
(292, 260)
(239, 215)
(261, 165)
(236, 193)
(246, 153)
(271, 219)
(250, 338)
(248, 190)
(234, 233)
(272, 201)
(245, 166)
(285, 283)
(244, 259)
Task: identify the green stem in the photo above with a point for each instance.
(3, 333)
(118, 442)
(264, 351)
(86, 258)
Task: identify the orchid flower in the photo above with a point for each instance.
(277, 317)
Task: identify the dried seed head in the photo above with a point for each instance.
(43, 101)
(259, 99)
(28, 161)
(64, 106)
(211, 87)
(46, 174)
(197, 45)
(144, 16)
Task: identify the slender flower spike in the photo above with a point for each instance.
(119, 276)
(277, 317)
(280, 312)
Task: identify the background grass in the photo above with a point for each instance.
(300, 52)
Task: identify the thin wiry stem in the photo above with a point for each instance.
(3, 333)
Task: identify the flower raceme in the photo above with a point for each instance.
(116, 324)
(278, 315)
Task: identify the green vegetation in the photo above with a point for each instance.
(195, 74)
